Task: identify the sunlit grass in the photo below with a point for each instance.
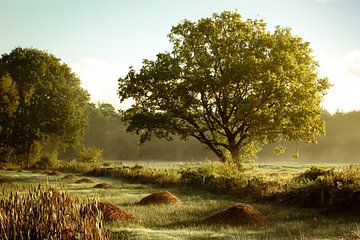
(184, 221)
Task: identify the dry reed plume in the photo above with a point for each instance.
(49, 214)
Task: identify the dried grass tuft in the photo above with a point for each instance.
(49, 214)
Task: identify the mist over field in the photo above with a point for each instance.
(106, 130)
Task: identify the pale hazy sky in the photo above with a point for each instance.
(100, 39)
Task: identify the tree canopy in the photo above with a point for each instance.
(46, 105)
(229, 83)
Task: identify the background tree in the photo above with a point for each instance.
(51, 104)
(106, 130)
(230, 84)
(9, 101)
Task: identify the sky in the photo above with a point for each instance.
(100, 40)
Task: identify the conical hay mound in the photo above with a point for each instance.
(160, 198)
(103, 185)
(70, 177)
(54, 173)
(240, 214)
(113, 213)
(85, 180)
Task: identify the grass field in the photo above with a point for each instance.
(184, 221)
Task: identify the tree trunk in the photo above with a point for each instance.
(219, 154)
(235, 155)
(28, 154)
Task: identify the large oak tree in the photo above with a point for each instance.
(48, 105)
(229, 83)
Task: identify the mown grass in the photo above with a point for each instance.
(184, 221)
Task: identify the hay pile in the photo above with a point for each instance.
(112, 213)
(160, 198)
(85, 180)
(103, 185)
(240, 214)
(70, 177)
(54, 173)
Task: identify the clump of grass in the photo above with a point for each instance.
(49, 214)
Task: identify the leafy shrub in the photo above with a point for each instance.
(335, 190)
(47, 160)
(76, 166)
(7, 155)
(196, 176)
(90, 155)
(313, 173)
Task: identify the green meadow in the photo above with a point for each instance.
(185, 220)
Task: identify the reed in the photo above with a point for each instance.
(50, 214)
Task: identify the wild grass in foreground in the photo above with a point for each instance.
(44, 213)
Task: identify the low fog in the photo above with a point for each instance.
(107, 131)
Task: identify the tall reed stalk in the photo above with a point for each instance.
(49, 214)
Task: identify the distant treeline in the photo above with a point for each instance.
(106, 130)
(341, 144)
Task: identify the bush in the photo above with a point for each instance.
(335, 190)
(76, 166)
(314, 173)
(7, 155)
(90, 155)
(47, 160)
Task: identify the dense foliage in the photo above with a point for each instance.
(230, 84)
(41, 102)
(89, 155)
